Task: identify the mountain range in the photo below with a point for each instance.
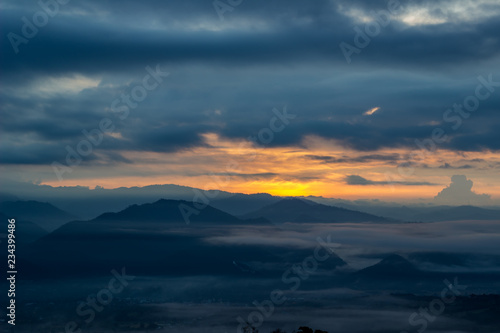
(44, 214)
(26, 231)
(304, 211)
(154, 239)
(86, 203)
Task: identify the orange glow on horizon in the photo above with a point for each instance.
(318, 169)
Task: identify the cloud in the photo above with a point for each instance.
(371, 111)
(262, 175)
(283, 32)
(265, 54)
(358, 180)
(449, 166)
(460, 192)
(358, 159)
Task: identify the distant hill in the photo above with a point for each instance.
(414, 213)
(8, 197)
(401, 213)
(161, 215)
(396, 273)
(304, 211)
(25, 232)
(44, 214)
(463, 261)
(240, 204)
(458, 213)
(171, 211)
(391, 266)
(391, 273)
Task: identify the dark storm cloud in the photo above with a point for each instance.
(84, 44)
(265, 54)
(449, 166)
(125, 38)
(263, 175)
(164, 139)
(358, 180)
(31, 153)
(34, 153)
(359, 159)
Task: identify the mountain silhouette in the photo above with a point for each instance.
(391, 266)
(88, 203)
(170, 211)
(154, 239)
(426, 213)
(391, 273)
(458, 213)
(300, 210)
(26, 231)
(159, 216)
(43, 214)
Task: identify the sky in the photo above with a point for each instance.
(395, 100)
